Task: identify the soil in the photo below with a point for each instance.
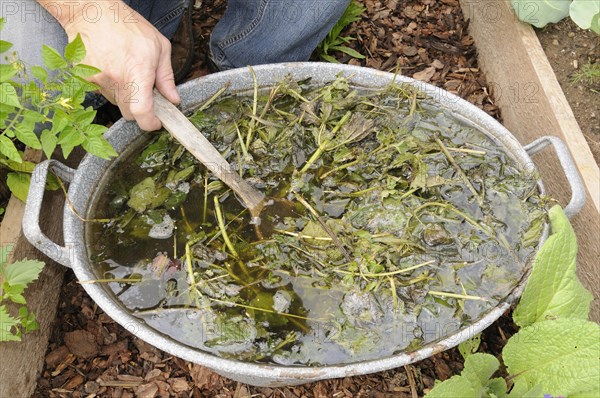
(568, 48)
(91, 355)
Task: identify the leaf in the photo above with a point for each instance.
(584, 13)
(455, 386)
(98, 146)
(22, 272)
(94, 130)
(141, 195)
(474, 381)
(7, 71)
(75, 50)
(7, 323)
(561, 355)
(8, 149)
(470, 346)
(5, 46)
(520, 390)
(18, 183)
(84, 71)
(553, 290)
(350, 51)
(8, 95)
(479, 368)
(49, 141)
(85, 117)
(27, 137)
(52, 59)
(39, 73)
(60, 120)
(539, 13)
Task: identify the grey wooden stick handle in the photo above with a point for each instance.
(188, 135)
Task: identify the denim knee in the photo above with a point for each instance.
(254, 32)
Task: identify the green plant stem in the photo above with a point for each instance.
(459, 170)
(214, 97)
(455, 295)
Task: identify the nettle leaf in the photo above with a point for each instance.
(18, 183)
(8, 95)
(75, 50)
(52, 59)
(540, 13)
(474, 381)
(141, 195)
(39, 73)
(7, 323)
(560, 355)
(553, 289)
(586, 13)
(8, 149)
(22, 272)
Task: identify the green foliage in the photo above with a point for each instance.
(49, 98)
(14, 278)
(559, 355)
(589, 73)
(470, 346)
(553, 290)
(335, 42)
(556, 351)
(539, 13)
(474, 381)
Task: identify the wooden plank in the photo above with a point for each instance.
(533, 105)
(22, 361)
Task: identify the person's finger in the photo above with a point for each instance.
(165, 80)
(140, 101)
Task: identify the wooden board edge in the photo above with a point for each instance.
(23, 361)
(494, 22)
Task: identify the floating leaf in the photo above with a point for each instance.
(141, 195)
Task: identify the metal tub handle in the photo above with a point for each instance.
(569, 168)
(33, 206)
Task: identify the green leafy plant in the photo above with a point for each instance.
(49, 98)
(557, 348)
(335, 42)
(14, 278)
(539, 13)
(589, 73)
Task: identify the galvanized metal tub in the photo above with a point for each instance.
(123, 135)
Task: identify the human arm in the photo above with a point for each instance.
(132, 55)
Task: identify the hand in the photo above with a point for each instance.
(132, 55)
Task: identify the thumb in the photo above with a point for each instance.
(165, 81)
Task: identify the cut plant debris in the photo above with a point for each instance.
(404, 219)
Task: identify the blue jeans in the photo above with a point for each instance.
(251, 32)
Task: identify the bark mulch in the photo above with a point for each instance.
(91, 356)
